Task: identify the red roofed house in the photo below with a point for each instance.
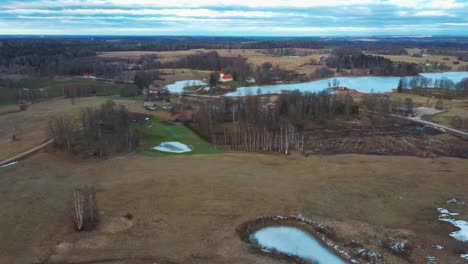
(225, 77)
(155, 91)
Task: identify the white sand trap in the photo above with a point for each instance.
(173, 147)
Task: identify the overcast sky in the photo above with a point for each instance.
(235, 17)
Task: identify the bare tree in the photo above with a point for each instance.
(84, 209)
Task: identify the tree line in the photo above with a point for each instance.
(428, 86)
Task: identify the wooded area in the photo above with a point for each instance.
(97, 132)
(255, 124)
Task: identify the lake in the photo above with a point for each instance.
(366, 84)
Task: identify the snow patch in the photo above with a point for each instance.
(444, 213)
(439, 247)
(173, 147)
(455, 201)
(460, 235)
(9, 164)
(465, 256)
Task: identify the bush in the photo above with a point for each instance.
(129, 91)
(23, 106)
(84, 209)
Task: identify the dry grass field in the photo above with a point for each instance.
(428, 59)
(185, 209)
(31, 126)
(256, 57)
(458, 107)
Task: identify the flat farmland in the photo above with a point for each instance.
(254, 56)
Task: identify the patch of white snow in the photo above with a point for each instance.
(9, 164)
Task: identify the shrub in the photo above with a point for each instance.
(84, 209)
(23, 106)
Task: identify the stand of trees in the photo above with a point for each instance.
(98, 131)
(352, 59)
(255, 124)
(267, 74)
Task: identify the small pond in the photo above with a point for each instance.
(293, 241)
(173, 147)
(178, 87)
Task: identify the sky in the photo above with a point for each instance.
(235, 17)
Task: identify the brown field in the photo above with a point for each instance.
(186, 208)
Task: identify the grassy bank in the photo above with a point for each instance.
(156, 132)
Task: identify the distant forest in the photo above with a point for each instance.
(48, 56)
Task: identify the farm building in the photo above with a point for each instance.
(225, 77)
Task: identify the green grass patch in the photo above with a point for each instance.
(155, 133)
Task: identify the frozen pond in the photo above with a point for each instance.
(361, 84)
(179, 86)
(172, 147)
(294, 242)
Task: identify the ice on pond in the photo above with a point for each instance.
(178, 87)
(9, 164)
(293, 242)
(173, 147)
(365, 84)
(465, 256)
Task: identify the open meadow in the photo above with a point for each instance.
(160, 208)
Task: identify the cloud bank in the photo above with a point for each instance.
(234, 17)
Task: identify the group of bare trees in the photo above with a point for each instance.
(262, 138)
(98, 131)
(268, 123)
